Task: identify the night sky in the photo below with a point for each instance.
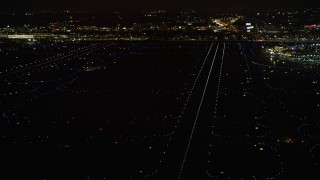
(135, 5)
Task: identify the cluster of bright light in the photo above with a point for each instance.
(307, 138)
